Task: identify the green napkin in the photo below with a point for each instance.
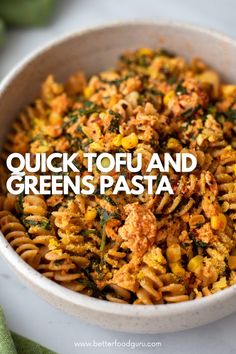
(12, 343)
(2, 31)
(26, 12)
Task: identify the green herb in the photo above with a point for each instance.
(143, 61)
(154, 143)
(154, 91)
(116, 82)
(196, 242)
(90, 284)
(115, 122)
(43, 224)
(89, 110)
(29, 223)
(185, 245)
(197, 226)
(231, 115)
(171, 80)
(59, 261)
(180, 89)
(189, 113)
(87, 142)
(108, 199)
(105, 216)
(20, 201)
(79, 129)
(73, 117)
(88, 232)
(88, 104)
(211, 110)
(166, 53)
(125, 59)
(141, 99)
(200, 244)
(159, 176)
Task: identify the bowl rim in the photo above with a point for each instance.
(44, 284)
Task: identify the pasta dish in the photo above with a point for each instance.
(137, 249)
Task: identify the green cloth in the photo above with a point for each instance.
(12, 343)
(26, 12)
(2, 30)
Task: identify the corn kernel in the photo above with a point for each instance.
(88, 91)
(225, 207)
(90, 214)
(53, 243)
(102, 115)
(177, 269)
(218, 222)
(154, 258)
(130, 141)
(196, 220)
(174, 144)
(168, 97)
(153, 72)
(173, 253)
(95, 146)
(65, 240)
(57, 252)
(228, 90)
(234, 169)
(113, 101)
(195, 263)
(219, 285)
(145, 51)
(41, 149)
(228, 148)
(210, 77)
(55, 118)
(117, 140)
(232, 262)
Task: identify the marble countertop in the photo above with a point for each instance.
(26, 313)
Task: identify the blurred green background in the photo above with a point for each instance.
(24, 13)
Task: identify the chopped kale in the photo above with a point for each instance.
(196, 242)
(104, 217)
(189, 113)
(180, 89)
(42, 224)
(166, 53)
(59, 262)
(108, 199)
(90, 284)
(143, 61)
(116, 82)
(88, 232)
(89, 109)
(171, 80)
(115, 122)
(79, 129)
(154, 92)
(231, 115)
(20, 201)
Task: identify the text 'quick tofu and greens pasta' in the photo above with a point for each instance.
(146, 249)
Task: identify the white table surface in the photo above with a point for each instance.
(26, 313)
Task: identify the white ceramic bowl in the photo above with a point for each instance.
(92, 51)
